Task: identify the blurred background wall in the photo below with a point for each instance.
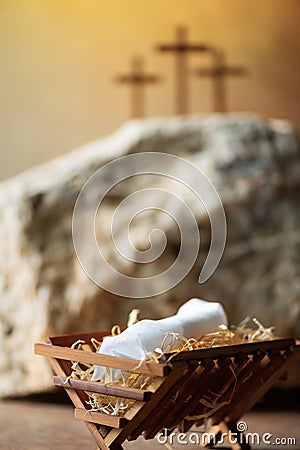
(58, 59)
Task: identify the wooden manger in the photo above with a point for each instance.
(218, 385)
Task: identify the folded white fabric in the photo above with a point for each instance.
(193, 319)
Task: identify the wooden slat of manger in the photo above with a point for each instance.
(126, 364)
(220, 392)
(100, 418)
(220, 377)
(105, 389)
(114, 433)
(244, 378)
(132, 430)
(192, 388)
(258, 376)
(66, 340)
(226, 385)
(241, 376)
(262, 381)
(62, 368)
(231, 350)
(168, 399)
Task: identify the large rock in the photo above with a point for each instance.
(255, 167)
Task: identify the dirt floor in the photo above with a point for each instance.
(37, 424)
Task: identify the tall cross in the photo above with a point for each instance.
(137, 79)
(218, 73)
(180, 48)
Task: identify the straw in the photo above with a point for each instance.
(107, 404)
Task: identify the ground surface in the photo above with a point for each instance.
(36, 425)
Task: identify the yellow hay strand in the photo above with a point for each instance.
(133, 317)
(115, 330)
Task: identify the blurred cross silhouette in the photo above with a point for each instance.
(218, 72)
(137, 79)
(180, 48)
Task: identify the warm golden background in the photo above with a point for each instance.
(58, 59)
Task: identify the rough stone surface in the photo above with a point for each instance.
(255, 167)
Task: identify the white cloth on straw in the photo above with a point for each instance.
(193, 319)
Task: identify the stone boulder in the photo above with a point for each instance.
(255, 166)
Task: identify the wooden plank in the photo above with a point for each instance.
(66, 340)
(60, 368)
(82, 356)
(100, 418)
(227, 389)
(262, 382)
(215, 381)
(228, 382)
(105, 389)
(147, 410)
(192, 388)
(168, 401)
(231, 350)
(230, 388)
(243, 386)
(114, 433)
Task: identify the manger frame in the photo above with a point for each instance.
(237, 375)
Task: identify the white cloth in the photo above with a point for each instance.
(193, 319)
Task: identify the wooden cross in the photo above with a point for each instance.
(180, 48)
(137, 78)
(218, 73)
